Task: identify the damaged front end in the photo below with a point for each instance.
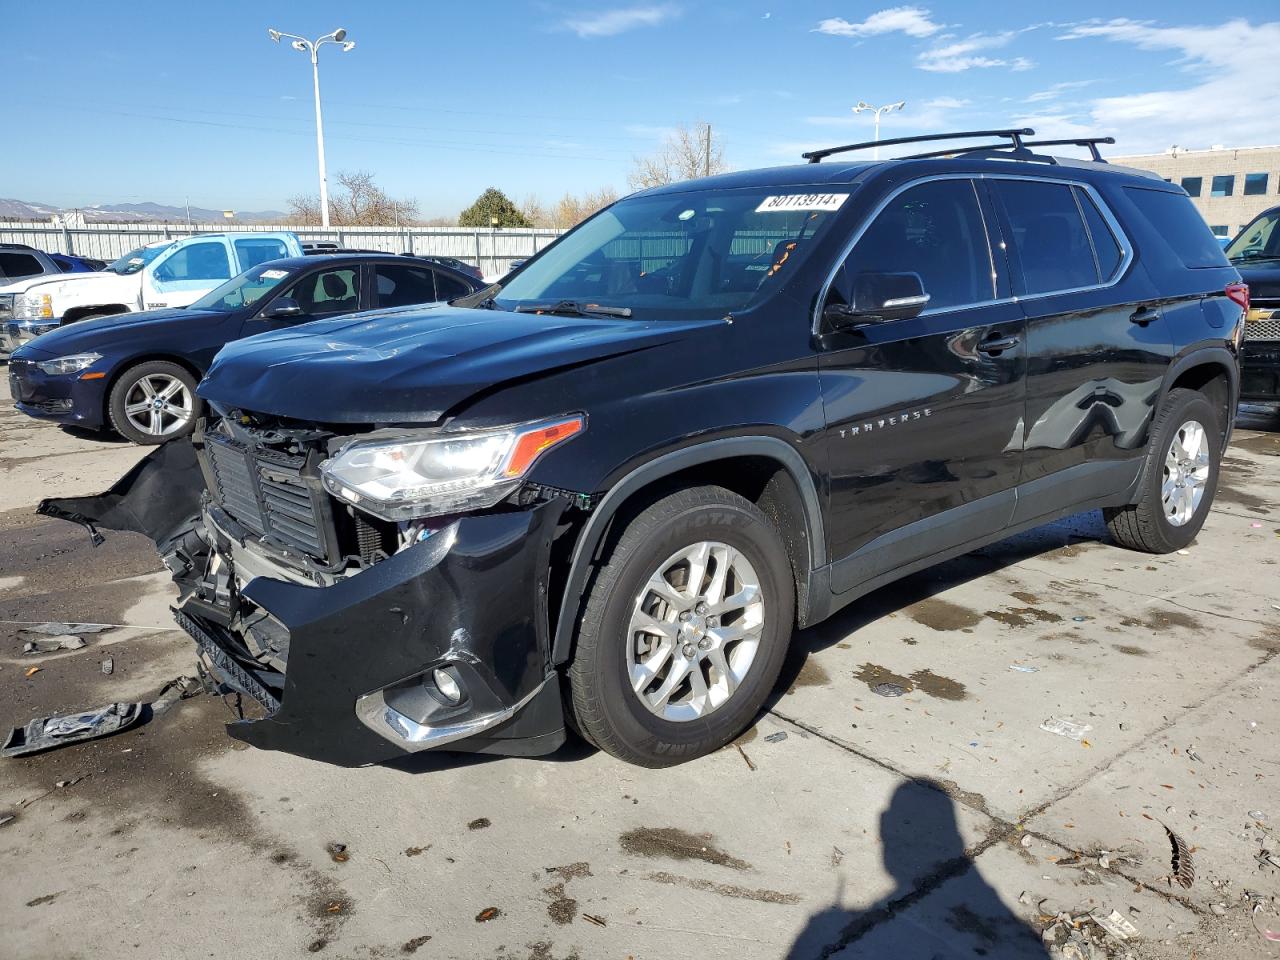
(362, 637)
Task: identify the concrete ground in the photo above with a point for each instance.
(941, 823)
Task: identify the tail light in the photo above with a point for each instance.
(1238, 293)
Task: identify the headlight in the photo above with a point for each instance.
(445, 473)
(33, 306)
(72, 364)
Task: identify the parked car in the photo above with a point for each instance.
(137, 373)
(1256, 253)
(609, 489)
(69, 263)
(454, 264)
(167, 273)
(19, 263)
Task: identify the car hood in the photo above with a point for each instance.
(1262, 276)
(103, 331)
(413, 365)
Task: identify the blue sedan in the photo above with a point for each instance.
(136, 373)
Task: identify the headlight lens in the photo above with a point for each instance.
(445, 473)
(71, 364)
(33, 306)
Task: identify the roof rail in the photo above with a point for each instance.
(1013, 135)
(1090, 142)
(1007, 151)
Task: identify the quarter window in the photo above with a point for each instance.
(1176, 223)
(1255, 184)
(1193, 185)
(206, 260)
(1050, 240)
(1223, 186)
(448, 288)
(934, 229)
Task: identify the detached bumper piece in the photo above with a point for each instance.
(46, 733)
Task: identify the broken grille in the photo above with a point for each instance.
(267, 494)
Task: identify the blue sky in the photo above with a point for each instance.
(160, 101)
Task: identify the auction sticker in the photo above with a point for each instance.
(273, 274)
(802, 201)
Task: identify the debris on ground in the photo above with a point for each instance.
(1084, 936)
(65, 629)
(478, 824)
(888, 689)
(1116, 924)
(337, 852)
(487, 914)
(31, 672)
(411, 946)
(108, 666)
(1023, 668)
(776, 737)
(1182, 867)
(6, 819)
(1066, 727)
(52, 644)
(46, 733)
(592, 918)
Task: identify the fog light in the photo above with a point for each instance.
(447, 686)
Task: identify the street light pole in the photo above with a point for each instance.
(876, 111)
(312, 47)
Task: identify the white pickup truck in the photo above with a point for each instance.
(167, 273)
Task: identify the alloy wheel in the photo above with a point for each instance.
(159, 405)
(1186, 473)
(695, 630)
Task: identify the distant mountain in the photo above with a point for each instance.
(133, 212)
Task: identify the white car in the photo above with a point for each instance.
(167, 273)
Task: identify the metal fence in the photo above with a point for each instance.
(492, 250)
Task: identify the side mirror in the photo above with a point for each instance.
(878, 298)
(285, 308)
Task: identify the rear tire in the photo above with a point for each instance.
(684, 629)
(154, 402)
(1179, 479)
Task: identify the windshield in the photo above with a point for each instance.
(1258, 240)
(244, 290)
(700, 254)
(135, 260)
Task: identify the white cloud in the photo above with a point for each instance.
(913, 21)
(609, 23)
(947, 103)
(1228, 68)
(1057, 90)
(967, 54)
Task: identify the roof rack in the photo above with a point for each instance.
(1021, 152)
(1013, 135)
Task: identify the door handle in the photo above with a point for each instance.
(997, 345)
(1144, 315)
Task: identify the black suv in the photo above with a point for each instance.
(605, 491)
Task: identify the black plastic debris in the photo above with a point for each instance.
(65, 629)
(776, 737)
(46, 733)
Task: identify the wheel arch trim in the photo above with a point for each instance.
(593, 533)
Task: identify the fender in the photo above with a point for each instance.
(586, 549)
(1202, 356)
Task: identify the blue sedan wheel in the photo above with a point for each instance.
(154, 402)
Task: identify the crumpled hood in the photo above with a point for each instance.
(94, 334)
(412, 364)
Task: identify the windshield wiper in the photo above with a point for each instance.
(1244, 257)
(572, 308)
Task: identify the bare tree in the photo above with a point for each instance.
(572, 210)
(358, 201)
(686, 153)
(534, 211)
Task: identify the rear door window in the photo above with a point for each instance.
(326, 293)
(1177, 222)
(254, 250)
(399, 285)
(15, 266)
(1050, 240)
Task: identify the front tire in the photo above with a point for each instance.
(1179, 479)
(684, 629)
(154, 402)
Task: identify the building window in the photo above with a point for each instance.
(1192, 185)
(1220, 230)
(1223, 186)
(1255, 184)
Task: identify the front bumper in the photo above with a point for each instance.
(14, 333)
(1260, 371)
(62, 398)
(355, 687)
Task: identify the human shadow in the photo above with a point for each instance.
(940, 906)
